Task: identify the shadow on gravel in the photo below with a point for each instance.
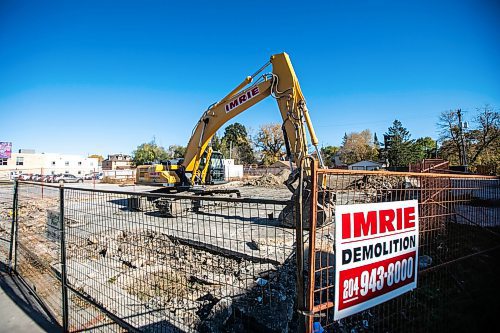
(17, 292)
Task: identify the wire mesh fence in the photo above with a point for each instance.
(259, 171)
(6, 213)
(459, 223)
(131, 264)
(36, 255)
(139, 261)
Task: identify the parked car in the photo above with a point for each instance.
(67, 178)
(51, 178)
(36, 177)
(90, 176)
(24, 176)
(43, 178)
(14, 175)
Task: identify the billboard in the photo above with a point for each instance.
(376, 254)
(5, 149)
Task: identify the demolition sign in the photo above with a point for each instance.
(376, 256)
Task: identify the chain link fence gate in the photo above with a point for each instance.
(6, 218)
(459, 242)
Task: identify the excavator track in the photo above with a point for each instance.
(171, 206)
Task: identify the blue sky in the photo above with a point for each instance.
(105, 76)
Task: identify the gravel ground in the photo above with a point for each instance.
(195, 270)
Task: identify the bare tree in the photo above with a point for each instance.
(482, 138)
(271, 142)
(357, 147)
(449, 133)
(487, 134)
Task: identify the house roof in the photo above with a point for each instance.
(366, 162)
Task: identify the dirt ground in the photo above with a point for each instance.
(226, 266)
(191, 272)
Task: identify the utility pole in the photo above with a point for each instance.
(462, 140)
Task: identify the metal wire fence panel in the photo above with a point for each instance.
(179, 263)
(459, 223)
(149, 262)
(6, 212)
(85, 317)
(261, 171)
(37, 255)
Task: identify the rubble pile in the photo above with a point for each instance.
(193, 287)
(369, 182)
(374, 188)
(270, 180)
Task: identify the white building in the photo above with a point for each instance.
(47, 164)
(232, 171)
(365, 165)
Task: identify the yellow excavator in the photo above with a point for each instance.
(202, 166)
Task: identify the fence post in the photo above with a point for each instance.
(64, 291)
(299, 240)
(13, 229)
(312, 244)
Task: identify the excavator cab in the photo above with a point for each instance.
(216, 169)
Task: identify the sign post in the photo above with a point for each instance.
(376, 254)
(53, 225)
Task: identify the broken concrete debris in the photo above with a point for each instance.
(270, 180)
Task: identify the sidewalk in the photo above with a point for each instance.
(19, 311)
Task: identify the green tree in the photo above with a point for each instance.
(424, 148)
(399, 147)
(328, 154)
(237, 141)
(219, 144)
(148, 153)
(236, 133)
(176, 151)
(216, 142)
(376, 143)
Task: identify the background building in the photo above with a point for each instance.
(28, 161)
(117, 162)
(365, 165)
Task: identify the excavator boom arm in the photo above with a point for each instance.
(283, 85)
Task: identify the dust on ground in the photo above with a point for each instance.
(270, 180)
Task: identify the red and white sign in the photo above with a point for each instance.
(376, 255)
(242, 99)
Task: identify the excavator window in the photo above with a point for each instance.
(216, 172)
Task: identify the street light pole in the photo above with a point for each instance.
(462, 140)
